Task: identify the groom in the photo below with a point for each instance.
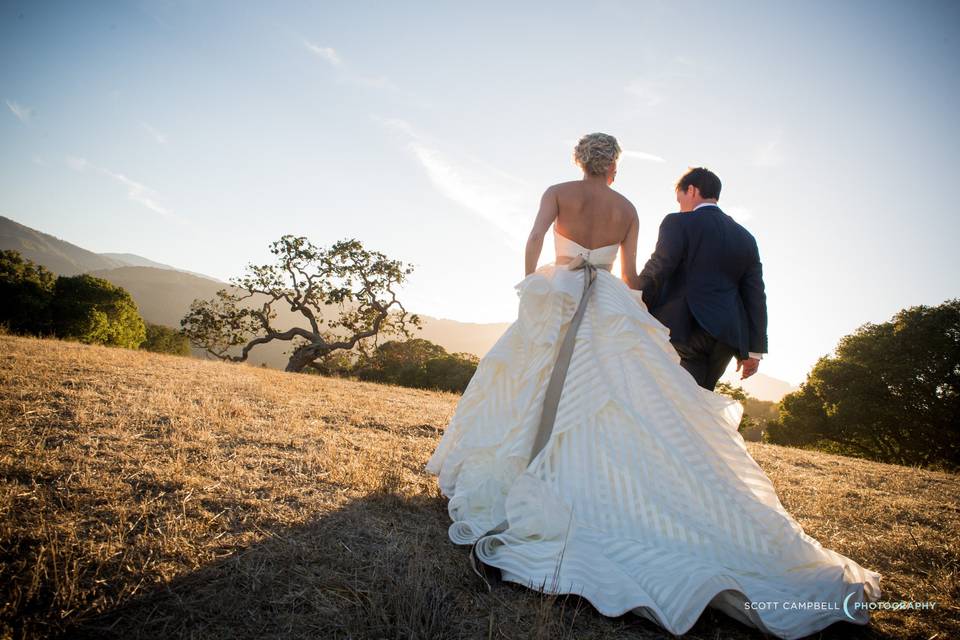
(705, 283)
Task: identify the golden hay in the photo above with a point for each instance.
(145, 495)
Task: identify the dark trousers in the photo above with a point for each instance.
(704, 357)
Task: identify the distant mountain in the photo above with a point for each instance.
(760, 386)
(468, 337)
(163, 294)
(133, 260)
(65, 258)
(55, 254)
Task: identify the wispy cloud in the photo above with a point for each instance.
(665, 79)
(157, 135)
(136, 191)
(647, 92)
(77, 164)
(397, 124)
(327, 53)
(346, 74)
(139, 192)
(24, 114)
(641, 155)
(503, 200)
(768, 154)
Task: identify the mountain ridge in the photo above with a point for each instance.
(163, 294)
(133, 260)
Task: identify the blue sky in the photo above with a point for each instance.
(195, 133)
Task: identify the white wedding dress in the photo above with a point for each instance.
(644, 497)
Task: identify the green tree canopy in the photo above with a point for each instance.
(451, 372)
(161, 339)
(27, 291)
(891, 392)
(95, 311)
(417, 363)
(399, 362)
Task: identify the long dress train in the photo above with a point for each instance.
(643, 497)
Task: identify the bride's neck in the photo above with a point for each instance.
(600, 181)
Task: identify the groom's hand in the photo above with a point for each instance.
(749, 366)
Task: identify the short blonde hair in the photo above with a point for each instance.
(595, 152)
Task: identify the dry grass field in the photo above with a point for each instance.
(155, 496)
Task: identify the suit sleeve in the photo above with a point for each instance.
(755, 302)
(664, 260)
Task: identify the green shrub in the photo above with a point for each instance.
(161, 339)
(27, 290)
(94, 311)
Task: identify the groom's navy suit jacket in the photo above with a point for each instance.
(706, 268)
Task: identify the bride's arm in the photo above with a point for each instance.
(628, 254)
(545, 217)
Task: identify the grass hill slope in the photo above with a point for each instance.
(59, 256)
(144, 495)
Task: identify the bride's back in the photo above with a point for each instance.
(592, 215)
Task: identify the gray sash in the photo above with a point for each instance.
(551, 399)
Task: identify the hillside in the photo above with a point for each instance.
(59, 256)
(144, 495)
(163, 297)
(68, 259)
(163, 294)
(133, 260)
(759, 385)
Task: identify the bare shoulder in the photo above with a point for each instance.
(632, 210)
(625, 203)
(559, 190)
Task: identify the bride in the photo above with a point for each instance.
(583, 459)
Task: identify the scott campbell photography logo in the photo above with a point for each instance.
(849, 608)
(890, 605)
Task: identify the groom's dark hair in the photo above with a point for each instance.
(703, 179)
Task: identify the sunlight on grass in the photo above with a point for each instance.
(145, 495)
